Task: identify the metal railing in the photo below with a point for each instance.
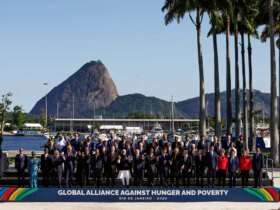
(269, 167)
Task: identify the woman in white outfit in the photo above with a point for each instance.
(124, 166)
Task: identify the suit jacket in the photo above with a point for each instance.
(46, 163)
(257, 162)
(21, 162)
(233, 164)
(211, 160)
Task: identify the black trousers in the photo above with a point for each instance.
(98, 175)
(199, 175)
(211, 176)
(69, 174)
(232, 178)
(186, 175)
(175, 177)
(20, 175)
(46, 175)
(244, 178)
(85, 177)
(110, 174)
(138, 177)
(258, 178)
(151, 174)
(222, 177)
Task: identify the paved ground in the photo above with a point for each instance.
(141, 206)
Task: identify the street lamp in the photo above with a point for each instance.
(46, 107)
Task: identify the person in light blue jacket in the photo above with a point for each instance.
(33, 169)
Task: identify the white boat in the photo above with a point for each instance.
(32, 129)
(157, 131)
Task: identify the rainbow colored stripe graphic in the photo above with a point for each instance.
(15, 194)
(265, 194)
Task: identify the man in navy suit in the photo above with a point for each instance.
(258, 167)
(21, 165)
(212, 160)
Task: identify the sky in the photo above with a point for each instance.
(47, 41)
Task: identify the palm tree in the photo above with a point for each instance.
(274, 132)
(216, 22)
(228, 78)
(176, 10)
(217, 10)
(270, 30)
(248, 12)
(237, 84)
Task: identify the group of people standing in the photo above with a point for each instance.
(70, 160)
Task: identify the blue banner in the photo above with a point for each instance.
(145, 194)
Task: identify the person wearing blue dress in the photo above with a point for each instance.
(33, 168)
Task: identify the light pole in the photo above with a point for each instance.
(57, 110)
(46, 107)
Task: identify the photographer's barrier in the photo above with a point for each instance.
(145, 194)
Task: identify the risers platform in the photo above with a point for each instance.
(157, 194)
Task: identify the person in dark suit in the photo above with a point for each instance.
(175, 166)
(97, 166)
(258, 167)
(83, 167)
(111, 166)
(199, 167)
(20, 165)
(46, 166)
(138, 168)
(163, 167)
(86, 164)
(240, 146)
(57, 168)
(150, 167)
(211, 164)
(69, 166)
(186, 168)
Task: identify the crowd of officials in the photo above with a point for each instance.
(72, 160)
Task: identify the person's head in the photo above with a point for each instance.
(33, 154)
(46, 150)
(61, 154)
(137, 152)
(211, 149)
(222, 152)
(141, 145)
(216, 139)
(113, 148)
(20, 151)
(164, 150)
(56, 153)
(151, 152)
(69, 149)
(104, 150)
(258, 150)
(86, 150)
(245, 152)
(232, 153)
(176, 150)
(124, 152)
(97, 152)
